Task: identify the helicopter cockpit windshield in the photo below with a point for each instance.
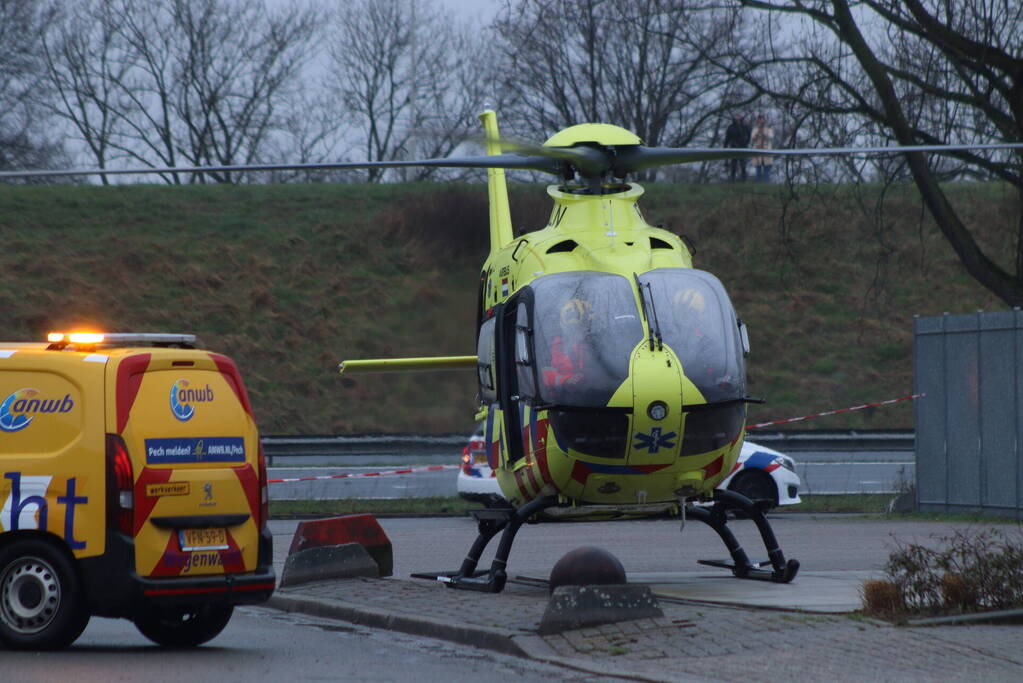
(696, 319)
(585, 326)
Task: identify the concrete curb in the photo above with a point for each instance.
(505, 641)
(498, 640)
(1009, 615)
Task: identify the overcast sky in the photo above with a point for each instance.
(473, 8)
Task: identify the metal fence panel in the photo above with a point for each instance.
(931, 449)
(968, 422)
(997, 421)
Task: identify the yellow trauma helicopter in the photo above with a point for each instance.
(610, 371)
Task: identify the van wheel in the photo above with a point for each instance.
(41, 602)
(177, 628)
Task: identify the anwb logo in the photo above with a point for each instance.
(182, 396)
(22, 406)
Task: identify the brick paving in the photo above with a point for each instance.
(691, 642)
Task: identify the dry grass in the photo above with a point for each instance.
(881, 598)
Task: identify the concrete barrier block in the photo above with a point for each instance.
(361, 529)
(328, 562)
(573, 607)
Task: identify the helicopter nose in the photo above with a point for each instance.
(658, 390)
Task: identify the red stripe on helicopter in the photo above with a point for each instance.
(532, 477)
(518, 482)
(581, 470)
(541, 451)
(714, 467)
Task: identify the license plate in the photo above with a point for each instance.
(480, 459)
(203, 539)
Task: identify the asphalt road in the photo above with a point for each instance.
(821, 542)
(262, 644)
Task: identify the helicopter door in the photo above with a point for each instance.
(508, 394)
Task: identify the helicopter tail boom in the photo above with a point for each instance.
(407, 364)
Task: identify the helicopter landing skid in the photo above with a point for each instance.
(776, 569)
(490, 523)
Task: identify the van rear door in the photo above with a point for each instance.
(186, 422)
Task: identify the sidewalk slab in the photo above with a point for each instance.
(828, 592)
(695, 640)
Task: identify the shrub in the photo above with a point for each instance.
(969, 571)
(882, 598)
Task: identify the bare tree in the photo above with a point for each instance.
(238, 66)
(23, 140)
(915, 72)
(178, 82)
(641, 65)
(409, 74)
(311, 131)
(86, 63)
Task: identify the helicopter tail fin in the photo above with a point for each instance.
(500, 213)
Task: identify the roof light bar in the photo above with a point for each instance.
(93, 338)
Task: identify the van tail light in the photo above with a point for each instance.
(120, 486)
(466, 461)
(264, 494)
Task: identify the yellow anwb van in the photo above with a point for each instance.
(133, 485)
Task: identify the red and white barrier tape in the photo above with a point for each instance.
(834, 412)
(407, 470)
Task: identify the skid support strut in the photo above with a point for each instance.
(780, 571)
(490, 523)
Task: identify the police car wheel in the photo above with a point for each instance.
(755, 485)
(184, 628)
(41, 603)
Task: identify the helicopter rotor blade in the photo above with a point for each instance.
(638, 158)
(588, 161)
(547, 164)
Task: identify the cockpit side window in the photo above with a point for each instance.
(585, 327)
(524, 365)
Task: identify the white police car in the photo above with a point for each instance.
(760, 473)
(477, 482)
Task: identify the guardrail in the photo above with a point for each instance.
(451, 444)
(837, 440)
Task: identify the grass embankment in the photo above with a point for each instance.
(291, 279)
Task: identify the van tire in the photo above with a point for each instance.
(41, 601)
(188, 628)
